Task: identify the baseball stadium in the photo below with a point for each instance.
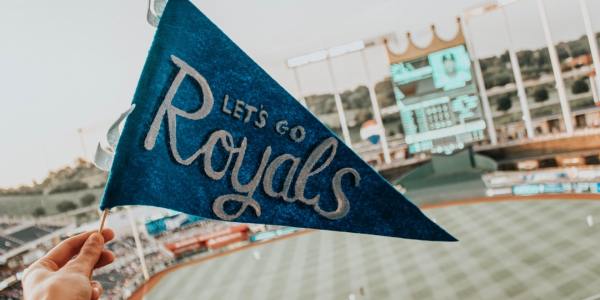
(510, 248)
(489, 122)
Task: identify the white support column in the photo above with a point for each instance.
(487, 111)
(339, 105)
(138, 243)
(299, 87)
(514, 61)
(560, 85)
(376, 111)
(593, 44)
(594, 90)
(82, 142)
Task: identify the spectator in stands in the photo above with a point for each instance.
(65, 272)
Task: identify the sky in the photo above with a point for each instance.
(69, 68)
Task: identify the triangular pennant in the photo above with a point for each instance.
(213, 135)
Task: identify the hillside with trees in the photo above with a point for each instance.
(81, 176)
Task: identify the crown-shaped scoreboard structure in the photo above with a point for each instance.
(413, 51)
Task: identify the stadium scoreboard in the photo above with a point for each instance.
(438, 101)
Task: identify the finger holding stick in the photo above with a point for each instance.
(65, 271)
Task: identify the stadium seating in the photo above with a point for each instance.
(29, 234)
(8, 244)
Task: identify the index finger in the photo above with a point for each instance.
(63, 252)
(88, 256)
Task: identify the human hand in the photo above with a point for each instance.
(65, 272)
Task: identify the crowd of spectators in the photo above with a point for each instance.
(124, 276)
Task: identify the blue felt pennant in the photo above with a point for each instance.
(213, 135)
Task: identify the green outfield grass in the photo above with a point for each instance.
(507, 250)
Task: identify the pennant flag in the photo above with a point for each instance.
(213, 135)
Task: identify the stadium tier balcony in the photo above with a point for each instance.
(7, 244)
(29, 234)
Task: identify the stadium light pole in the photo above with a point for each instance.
(138, 244)
(593, 45)
(516, 67)
(299, 87)
(338, 103)
(327, 55)
(318, 56)
(560, 85)
(376, 110)
(595, 94)
(82, 142)
(487, 111)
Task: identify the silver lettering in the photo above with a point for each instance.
(343, 205)
(238, 109)
(270, 173)
(307, 170)
(226, 141)
(250, 110)
(172, 112)
(219, 206)
(266, 171)
(224, 108)
(250, 187)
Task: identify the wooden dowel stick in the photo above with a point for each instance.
(103, 220)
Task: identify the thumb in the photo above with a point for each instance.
(88, 256)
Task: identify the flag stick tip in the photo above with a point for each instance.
(103, 220)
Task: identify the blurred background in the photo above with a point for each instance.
(485, 114)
